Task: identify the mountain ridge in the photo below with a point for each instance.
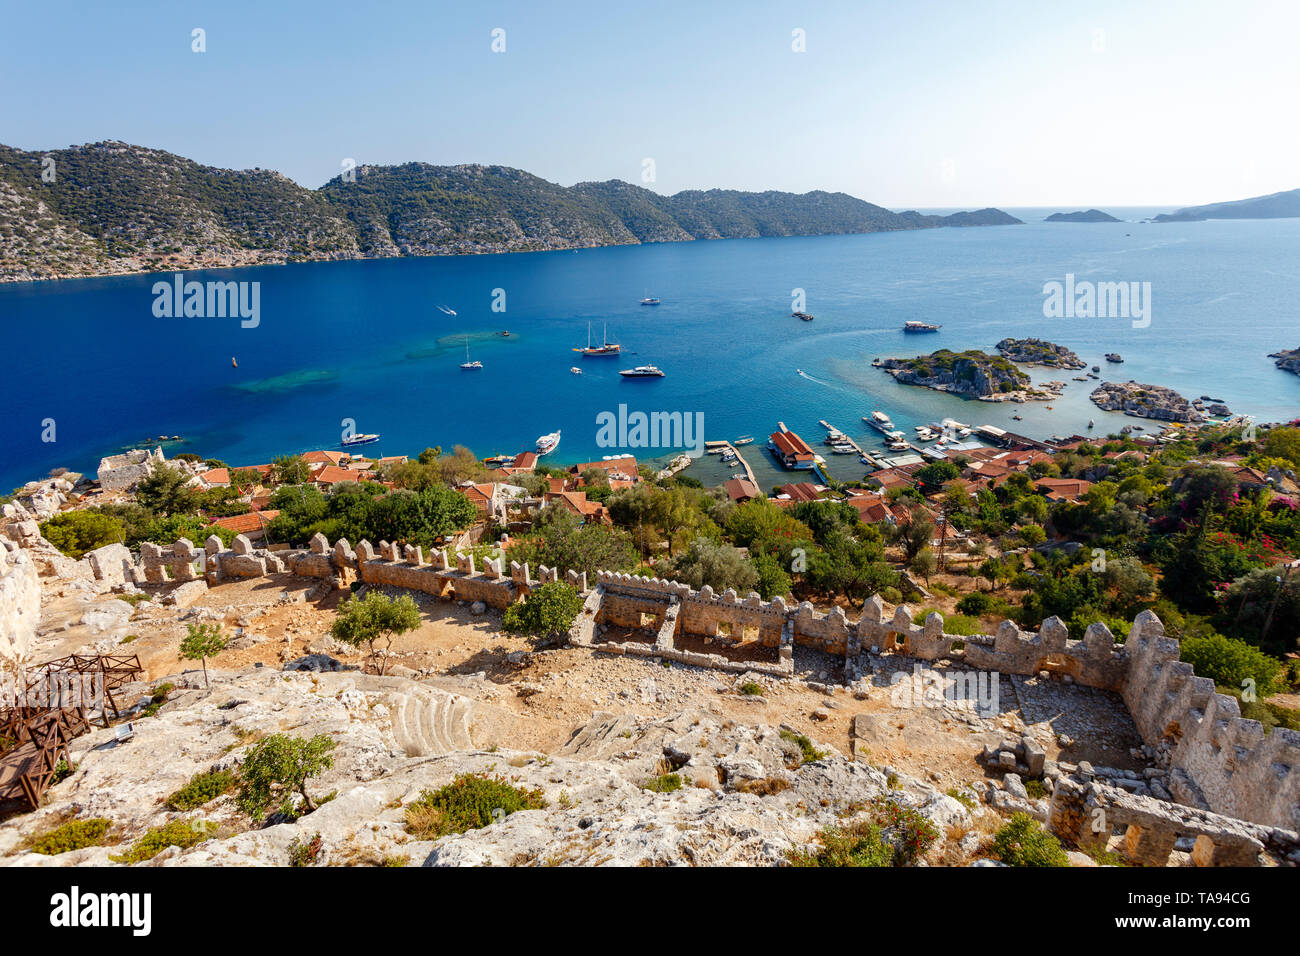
(115, 208)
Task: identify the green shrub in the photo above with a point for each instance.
(202, 788)
(181, 833)
(76, 532)
(891, 595)
(304, 853)
(751, 688)
(1022, 842)
(1232, 662)
(73, 835)
(859, 844)
(548, 611)
(664, 783)
(808, 752)
(469, 802)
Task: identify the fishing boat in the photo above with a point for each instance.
(642, 371)
(843, 448)
(924, 433)
(467, 364)
(546, 444)
(913, 327)
(596, 351)
(359, 440)
(744, 440)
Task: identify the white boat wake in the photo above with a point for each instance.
(446, 311)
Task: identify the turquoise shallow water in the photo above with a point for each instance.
(365, 341)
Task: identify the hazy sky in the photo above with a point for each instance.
(902, 103)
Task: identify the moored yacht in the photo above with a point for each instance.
(642, 371)
(546, 444)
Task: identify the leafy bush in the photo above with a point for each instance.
(278, 767)
(1022, 842)
(858, 845)
(202, 787)
(548, 611)
(751, 688)
(73, 835)
(1231, 662)
(304, 853)
(469, 802)
(181, 833)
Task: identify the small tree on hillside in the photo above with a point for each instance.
(278, 767)
(549, 611)
(203, 641)
(373, 618)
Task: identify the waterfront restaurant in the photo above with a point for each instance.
(792, 450)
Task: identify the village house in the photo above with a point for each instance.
(578, 504)
(252, 525)
(741, 490)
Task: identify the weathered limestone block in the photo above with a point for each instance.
(519, 573)
(1148, 846)
(112, 564)
(319, 544)
(241, 545)
(1226, 851)
(20, 604)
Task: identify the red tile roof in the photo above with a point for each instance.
(741, 489)
(254, 521)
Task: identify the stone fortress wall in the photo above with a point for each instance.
(1218, 761)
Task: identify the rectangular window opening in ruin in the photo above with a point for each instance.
(724, 629)
(649, 621)
(749, 633)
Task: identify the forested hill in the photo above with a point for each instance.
(110, 208)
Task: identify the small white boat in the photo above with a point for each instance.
(575, 370)
(446, 311)
(744, 440)
(359, 440)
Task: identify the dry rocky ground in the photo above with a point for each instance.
(588, 729)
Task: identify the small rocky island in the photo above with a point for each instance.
(1145, 401)
(1039, 352)
(1091, 215)
(1288, 360)
(971, 374)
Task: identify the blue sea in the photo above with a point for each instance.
(366, 342)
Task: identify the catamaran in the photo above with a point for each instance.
(467, 364)
(593, 351)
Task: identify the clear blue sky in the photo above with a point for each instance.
(924, 104)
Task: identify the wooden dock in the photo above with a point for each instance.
(856, 447)
(749, 472)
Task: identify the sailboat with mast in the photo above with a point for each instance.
(594, 351)
(467, 364)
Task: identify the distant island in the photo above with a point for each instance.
(970, 374)
(113, 208)
(1288, 360)
(1091, 215)
(1039, 352)
(1284, 205)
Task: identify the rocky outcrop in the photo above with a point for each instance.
(1040, 352)
(393, 741)
(1145, 401)
(1288, 360)
(20, 604)
(1089, 215)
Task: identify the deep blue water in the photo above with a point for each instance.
(366, 341)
